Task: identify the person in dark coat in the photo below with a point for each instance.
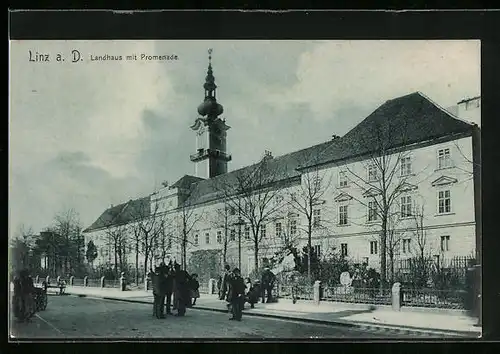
(194, 286)
(225, 278)
(182, 290)
(163, 284)
(268, 279)
(157, 294)
(169, 271)
(236, 295)
(25, 289)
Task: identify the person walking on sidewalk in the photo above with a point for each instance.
(236, 295)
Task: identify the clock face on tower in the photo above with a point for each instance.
(202, 130)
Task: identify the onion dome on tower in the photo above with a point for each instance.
(210, 107)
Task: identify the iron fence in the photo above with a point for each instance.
(376, 296)
(78, 282)
(432, 298)
(94, 283)
(111, 283)
(301, 292)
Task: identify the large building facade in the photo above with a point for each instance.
(408, 171)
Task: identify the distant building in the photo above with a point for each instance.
(434, 190)
(468, 109)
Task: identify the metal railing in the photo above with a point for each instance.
(301, 292)
(431, 298)
(78, 282)
(94, 283)
(358, 295)
(111, 283)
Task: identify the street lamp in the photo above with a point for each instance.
(240, 222)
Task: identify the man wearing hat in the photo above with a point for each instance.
(159, 299)
(236, 294)
(268, 279)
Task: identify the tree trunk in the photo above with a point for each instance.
(137, 261)
(391, 264)
(309, 245)
(184, 252)
(145, 263)
(116, 258)
(256, 255)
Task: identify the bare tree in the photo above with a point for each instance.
(385, 177)
(254, 193)
(222, 220)
(117, 236)
(188, 217)
(67, 224)
(393, 240)
(136, 240)
(21, 248)
(147, 229)
(307, 199)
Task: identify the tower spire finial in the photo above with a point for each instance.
(210, 85)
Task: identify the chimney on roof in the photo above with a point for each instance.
(111, 206)
(267, 155)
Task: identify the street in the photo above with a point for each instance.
(75, 317)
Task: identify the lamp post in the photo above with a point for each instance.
(239, 223)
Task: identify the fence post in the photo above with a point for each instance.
(317, 292)
(211, 286)
(122, 282)
(71, 280)
(37, 279)
(85, 281)
(396, 297)
(102, 282)
(47, 279)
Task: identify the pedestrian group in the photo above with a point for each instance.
(176, 286)
(236, 291)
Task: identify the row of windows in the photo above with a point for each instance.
(406, 208)
(247, 233)
(405, 246)
(405, 167)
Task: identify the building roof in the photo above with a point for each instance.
(185, 182)
(398, 122)
(401, 121)
(121, 214)
(465, 100)
(280, 168)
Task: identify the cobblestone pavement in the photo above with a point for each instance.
(74, 317)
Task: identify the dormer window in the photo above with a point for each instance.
(405, 166)
(342, 179)
(444, 158)
(372, 173)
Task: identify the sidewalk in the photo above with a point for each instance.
(354, 315)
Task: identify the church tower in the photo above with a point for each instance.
(211, 157)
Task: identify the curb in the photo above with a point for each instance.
(406, 330)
